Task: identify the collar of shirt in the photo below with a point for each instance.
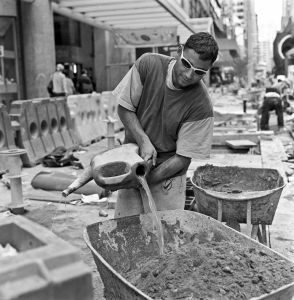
(169, 76)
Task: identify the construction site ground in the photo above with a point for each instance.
(69, 221)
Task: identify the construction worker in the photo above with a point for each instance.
(272, 101)
(166, 110)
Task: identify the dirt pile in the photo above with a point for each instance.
(211, 270)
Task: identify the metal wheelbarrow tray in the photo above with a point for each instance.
(118, 245)
(235, 186)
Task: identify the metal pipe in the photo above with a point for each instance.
(84, 178)
(15, 176)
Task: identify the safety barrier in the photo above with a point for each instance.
(44, 125)
(110, 101)
(44, 267)
(98, 115)
(6, 136)
(88, 114)
(66, 127)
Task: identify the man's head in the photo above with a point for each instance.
(84, 72)
(59, 67)
(194, 59)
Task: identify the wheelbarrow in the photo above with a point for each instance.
(118, 245)
(238, 195)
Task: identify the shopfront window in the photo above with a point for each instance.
(67, 31)
(8, 62)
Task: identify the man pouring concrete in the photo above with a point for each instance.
(166, 110)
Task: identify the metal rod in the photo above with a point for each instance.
(15, 175)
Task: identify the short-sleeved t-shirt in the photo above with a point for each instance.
(175, 120)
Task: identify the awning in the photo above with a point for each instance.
(224, 59)
(228, 51)
(124, 14)
(199, 24)
(228, 45)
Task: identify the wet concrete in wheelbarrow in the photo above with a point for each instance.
(236, 180)
(211, 270)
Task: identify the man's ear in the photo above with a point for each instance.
(179, 51)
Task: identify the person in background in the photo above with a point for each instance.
(69, 84)
(85, 83)
(92, 80)
(281, 85)
(75, 80)
(272, 101)
(59, 82)
(269, 80)
(166, 110)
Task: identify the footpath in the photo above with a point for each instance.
(68, 221)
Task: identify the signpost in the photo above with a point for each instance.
(1, 51)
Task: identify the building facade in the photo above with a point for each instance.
(35, 35)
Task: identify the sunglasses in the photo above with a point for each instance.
(187, 65)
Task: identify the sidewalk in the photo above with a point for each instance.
(68, 221)
(65, 220)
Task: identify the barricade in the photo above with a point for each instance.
(44, 267)
(99, 115)
(83, 118)
(44, 126)
(87, 114)
(66, 127)
(112, 105)
(6, 136)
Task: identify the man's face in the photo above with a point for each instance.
(184, 75)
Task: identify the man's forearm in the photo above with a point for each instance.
(132, 124)
(169, 168)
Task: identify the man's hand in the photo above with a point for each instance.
(133, 126)
(147, 152)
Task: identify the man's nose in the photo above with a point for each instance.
(189, 73)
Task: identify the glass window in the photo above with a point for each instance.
(66, 31)
(8, 64)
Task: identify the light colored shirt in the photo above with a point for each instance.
(59, 83)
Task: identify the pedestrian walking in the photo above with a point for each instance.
(58, 83)
(85, 83)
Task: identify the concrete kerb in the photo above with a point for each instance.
(51, 268)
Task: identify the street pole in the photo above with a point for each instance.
(249, 45)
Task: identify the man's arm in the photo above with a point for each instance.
(169, 168)
(133, 126)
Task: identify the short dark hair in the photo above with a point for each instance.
(84, 71)
(204, 44)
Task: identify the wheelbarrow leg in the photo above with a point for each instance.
(254, 231)
(264, 236)
(248, 219)
(219, 210)
(260, 237)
